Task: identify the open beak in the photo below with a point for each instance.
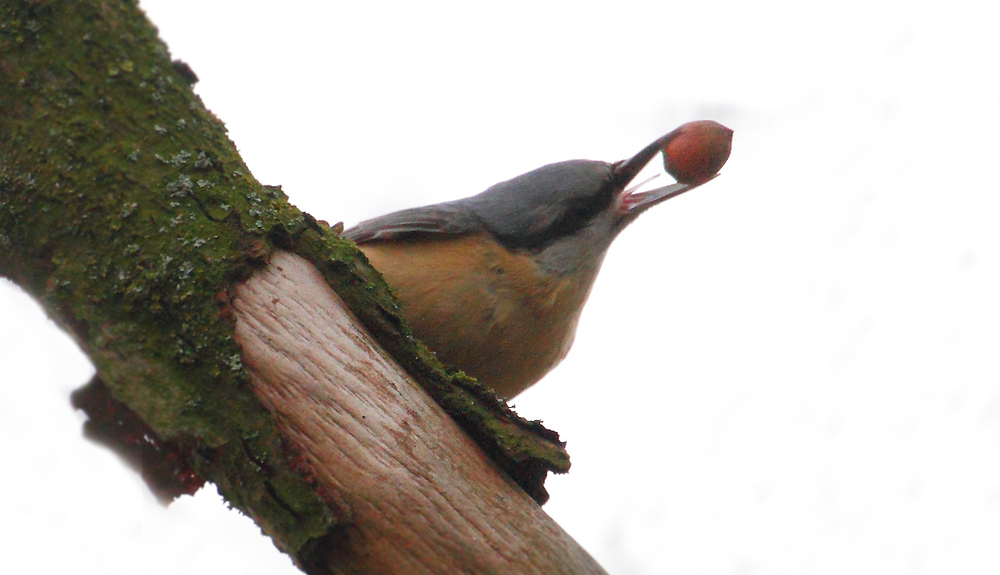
(632, 203)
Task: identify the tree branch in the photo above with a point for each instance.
(417, 495)
(126, 211)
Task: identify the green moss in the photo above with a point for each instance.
(127, 211)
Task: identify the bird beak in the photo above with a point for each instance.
(633, 203)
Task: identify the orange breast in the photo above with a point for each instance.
(494, 314)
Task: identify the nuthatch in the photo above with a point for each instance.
(495, 283)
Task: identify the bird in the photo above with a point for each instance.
(495, 283)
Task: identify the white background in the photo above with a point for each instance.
(792, 370)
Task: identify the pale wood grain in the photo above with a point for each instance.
(418, 494)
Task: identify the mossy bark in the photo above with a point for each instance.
(126, 210)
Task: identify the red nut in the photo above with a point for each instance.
(698, 151)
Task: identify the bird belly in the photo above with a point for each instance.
(489, 312)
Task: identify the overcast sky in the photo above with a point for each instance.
(792, 370)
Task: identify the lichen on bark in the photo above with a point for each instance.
(126, 210)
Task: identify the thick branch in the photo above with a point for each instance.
(417, 494)
(126, 211)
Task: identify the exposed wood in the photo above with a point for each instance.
(417, 494)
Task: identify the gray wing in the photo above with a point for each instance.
(449, 218)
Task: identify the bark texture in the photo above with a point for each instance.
(415, 493)
(127, 212)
